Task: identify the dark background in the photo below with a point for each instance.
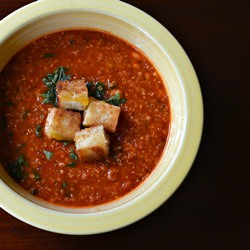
(211, 209)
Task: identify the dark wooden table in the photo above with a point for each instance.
(211, 209)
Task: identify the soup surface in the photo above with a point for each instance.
(50, 169)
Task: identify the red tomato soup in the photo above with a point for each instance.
(51, 169)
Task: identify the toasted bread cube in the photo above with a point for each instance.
(92, 143)
(72, 94)
(62, 124)
(101, 113)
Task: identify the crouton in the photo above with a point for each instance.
(72, 94)
(92, 144)
(62, 124)
(101, 113)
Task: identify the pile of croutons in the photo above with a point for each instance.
(76, 108)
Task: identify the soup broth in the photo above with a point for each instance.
(51, 169)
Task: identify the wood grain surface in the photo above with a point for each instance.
(211, 209)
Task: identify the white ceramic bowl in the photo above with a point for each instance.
(135, 26)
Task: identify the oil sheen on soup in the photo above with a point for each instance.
(115, 73)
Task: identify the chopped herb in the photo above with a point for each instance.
(20, 159)
(50, 81)
(116, 100)
(65, 143)
(33, 191)
(10, 134)
(37, 175)
(48, 154)
(39, 131)
(64, 185)
(71, 164)
(99, 90)
(50, 97)
(89, 86)
(10, 103)
(96, 90)
(48, 55)
(73, 155)
(16, 169)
